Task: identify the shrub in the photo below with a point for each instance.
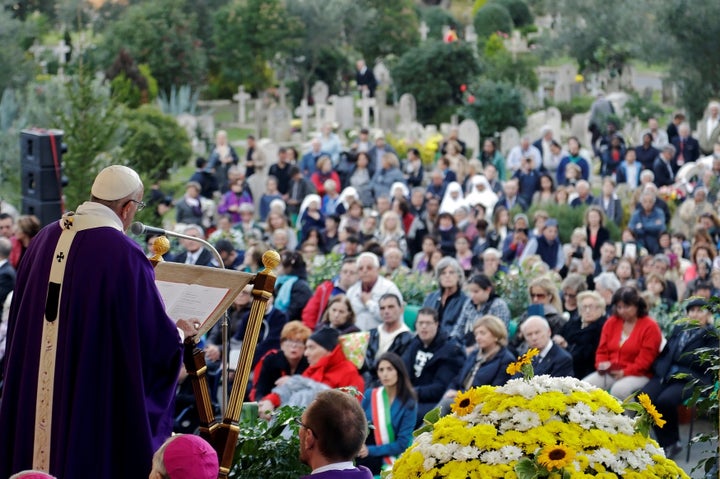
(519, 12)
(492, 18)
(433, 73)
(436, 18)
(495, 106)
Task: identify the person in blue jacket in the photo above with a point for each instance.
(391, 408)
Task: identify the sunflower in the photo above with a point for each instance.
(465, 402)
(516, 367)
(556, 457)
(649, 407)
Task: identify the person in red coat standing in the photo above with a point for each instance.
(629, 343)
(323, 173)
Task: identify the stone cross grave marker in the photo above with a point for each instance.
(304, 111)
(61, 51)
(424, 29)
(242, 97)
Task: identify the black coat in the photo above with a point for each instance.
(663, 175)
(582, 344)
(491, 373)
(673, 359)
(556, 363)
(690, 150)
(205, 259)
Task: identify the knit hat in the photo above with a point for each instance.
(116, 182)
(189, 456)
(326, 337)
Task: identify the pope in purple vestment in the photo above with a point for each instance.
(117, 360)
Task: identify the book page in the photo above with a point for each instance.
(190, 301)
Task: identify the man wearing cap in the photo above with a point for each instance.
(92, 358)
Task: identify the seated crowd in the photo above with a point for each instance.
(466, 224)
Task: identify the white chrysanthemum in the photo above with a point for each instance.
(466, 453)
(637, 459)
(492, 457)
(511, 453)
(605, 457)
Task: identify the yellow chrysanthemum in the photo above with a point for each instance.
(516, 367)
(465, 402)
(645, 402)
(556, 457)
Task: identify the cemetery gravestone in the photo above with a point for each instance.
(242, 97)
(469, 132)
(344, 112)
(509, 138)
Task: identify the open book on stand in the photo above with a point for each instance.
(198, 292)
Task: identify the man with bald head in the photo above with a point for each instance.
(552, 359)
(92, 358)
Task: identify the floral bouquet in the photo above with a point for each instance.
(538, 427)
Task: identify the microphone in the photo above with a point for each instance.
(138, 228)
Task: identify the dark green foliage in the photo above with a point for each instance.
(249, 34)
(154, 142)
(433, 73)
(17, 68)
(393, 30)
(579, 104)
(131, 84)
(500, 65)
(519, 12)
(570, 218)
(492, 18)
(497, 106)
(436, 18)
(642, 108)
(90, 121)
(161, 35)
(269, 450)
(693, 35)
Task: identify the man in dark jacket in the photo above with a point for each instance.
(687, 148)
(552, 359)
(433, 360)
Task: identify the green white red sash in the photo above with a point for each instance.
(382, 421)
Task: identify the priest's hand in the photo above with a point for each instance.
(189, 327)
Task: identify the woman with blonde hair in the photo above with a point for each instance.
(391, 229)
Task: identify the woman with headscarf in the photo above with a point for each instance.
(482, 194)
(347, 196)
(310, 216)
(453, 198)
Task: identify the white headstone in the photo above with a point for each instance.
(324, 114)
(509, 138)
(206, 123)
(61, 51)
(304, 111)
(365, 103)
(424, 29)
(407, 108)
(320, 92)
(189, 123)
(469, 132)
(278, 123)
(579, 127)
(535, 122)
(382, 74)
(37, 50)
(242, 97)
(554, 120)
(259, 114)
(470, 35)
(344, 112)
(282, 92)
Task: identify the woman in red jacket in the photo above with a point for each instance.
(629, 343)
(329, 368)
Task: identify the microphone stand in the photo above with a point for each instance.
(225, 318)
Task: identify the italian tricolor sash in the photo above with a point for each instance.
(384, 433)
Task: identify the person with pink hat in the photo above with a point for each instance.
(185, 456)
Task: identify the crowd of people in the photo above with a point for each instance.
(466, 223)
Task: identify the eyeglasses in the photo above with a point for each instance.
(294, 344)
(140, 205)
(422, 324)
(299, 422)
(538, 295)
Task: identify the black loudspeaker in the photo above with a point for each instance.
(37, 145)
(40, 183)
(41, 173)
(46, 211)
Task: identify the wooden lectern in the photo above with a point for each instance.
(223, 434)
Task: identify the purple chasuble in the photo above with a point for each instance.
(360, 472)
(117, 362)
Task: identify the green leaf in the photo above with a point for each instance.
(528, 469)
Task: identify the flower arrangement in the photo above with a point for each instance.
(537, 427)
